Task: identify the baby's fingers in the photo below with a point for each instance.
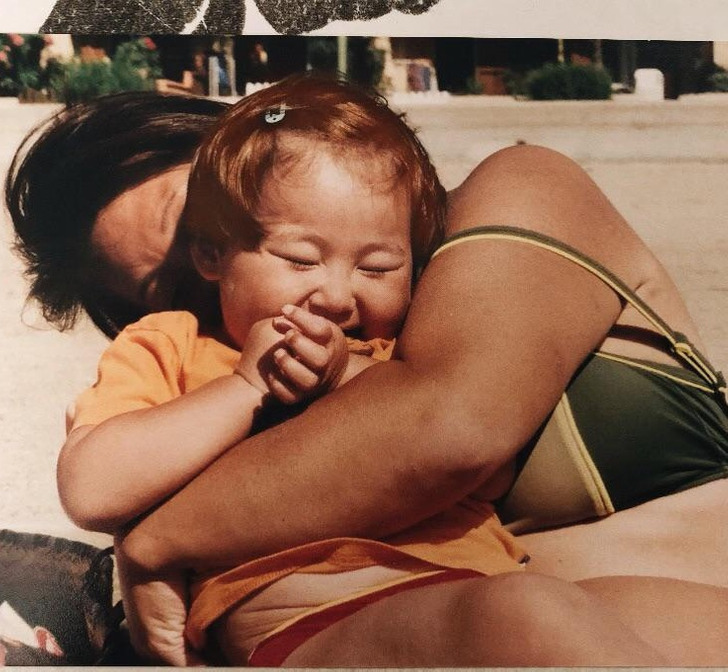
(314, 326)
(282, 391)
(312, 354)
(295, 373)
(282, 325)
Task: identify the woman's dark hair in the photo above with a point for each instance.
(74, 164)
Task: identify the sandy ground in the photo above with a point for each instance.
(664, 165)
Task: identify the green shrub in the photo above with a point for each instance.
(473, 87)
(140, 56)
(134, 67)
(80, 80)
(568, 81)
(719, 81)
(20, 68)
(515, 83)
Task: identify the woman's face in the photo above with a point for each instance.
(134, 239)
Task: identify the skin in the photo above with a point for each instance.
(472, 622)
(554, 313)
(141, 257)
(339, 238)
(133, 235)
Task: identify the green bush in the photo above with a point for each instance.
(473, 87)
(139, 56)
(515, 83)
(81, 80)
(134, 67)
(719, 81)
(568, 81)
(20, 68)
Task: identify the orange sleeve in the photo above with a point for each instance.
(140, 369)
(378, 348)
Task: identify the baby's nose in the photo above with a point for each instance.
(334, 299)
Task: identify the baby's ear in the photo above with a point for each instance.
(207, 259)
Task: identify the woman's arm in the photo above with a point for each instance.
(494, 333)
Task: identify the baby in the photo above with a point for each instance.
(311, 206)
(308, 206)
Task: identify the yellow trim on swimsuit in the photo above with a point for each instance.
(625, 431)
(678, 342)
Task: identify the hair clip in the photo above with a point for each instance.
(275, 114)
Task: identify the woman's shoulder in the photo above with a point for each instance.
(529, 186)
(544, 191)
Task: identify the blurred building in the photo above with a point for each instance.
(458, 65)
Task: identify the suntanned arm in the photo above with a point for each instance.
(110, 473)
(494, 333)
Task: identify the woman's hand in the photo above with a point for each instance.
(155, 606)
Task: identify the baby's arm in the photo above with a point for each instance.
(110, 473)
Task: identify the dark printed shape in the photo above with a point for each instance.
(62, 585)
(292, 17)
(222, 17)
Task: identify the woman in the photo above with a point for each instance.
(436, 443)
(123, 163)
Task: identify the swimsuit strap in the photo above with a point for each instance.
(679, 344)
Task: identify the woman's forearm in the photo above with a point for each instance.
(353, 464)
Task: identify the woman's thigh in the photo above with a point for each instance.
(686, 621)
(505, 620)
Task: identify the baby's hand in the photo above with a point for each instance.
(313, 358)
(256, 359)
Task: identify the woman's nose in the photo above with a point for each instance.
(333, 298)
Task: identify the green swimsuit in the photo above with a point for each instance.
(625, 431)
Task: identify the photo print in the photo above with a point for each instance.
(292, 17)
(209, 17)
(222, 17)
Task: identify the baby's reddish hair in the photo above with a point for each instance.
(233, 161)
